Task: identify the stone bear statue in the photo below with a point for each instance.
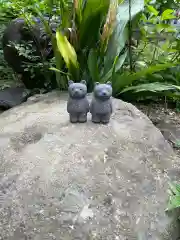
(77, 105)
(101, 104)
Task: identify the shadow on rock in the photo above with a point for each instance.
(11, 97)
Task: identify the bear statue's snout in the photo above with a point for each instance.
(77, 91)
(104, 93)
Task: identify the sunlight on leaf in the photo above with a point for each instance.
(57, 70)
(167, 14)
(152, 10)
(66, 49)
(68, 53)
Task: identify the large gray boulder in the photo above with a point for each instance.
(83, 181)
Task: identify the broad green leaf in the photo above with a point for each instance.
(78, 5)
(160, 27)
(93, 65)
(118, 62)
(157, 77)
(165, 27)
(66, 12)
(143, 18)
(141, 64)
(152, 69)
(175, 188)
(177, 87)
(149, 87)
(152, 10)
(92, 15)
(68, 53)
(120, 35)
(66, 49)
(124, 80)
(174, 203)
(57, 70)
(170, 78)
(167, 14)
(177, 145)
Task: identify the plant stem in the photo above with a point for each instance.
(154, 54)
(130, 38)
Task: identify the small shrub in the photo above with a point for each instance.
(174, 196)
(7, 77)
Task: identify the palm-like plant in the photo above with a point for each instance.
(98, 33)
(90, 40)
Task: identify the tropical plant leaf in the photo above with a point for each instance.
(177, 145)
(109, 25)
(126, 79)
(150, 87)
(118, 62)
(93, 65)
(92, 16)
(174, 203)
(57, 70)
(78, 5)
(174, 198)
(66, 49)
(152, 10)
(68, 53)
(175, 188)
(120, 35)
(167, 14)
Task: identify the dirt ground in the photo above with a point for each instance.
(167, 119)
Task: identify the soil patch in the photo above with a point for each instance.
(166, 119)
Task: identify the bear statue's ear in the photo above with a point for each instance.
(97, 83)
(109, 83)
(70, 82)
(83, 82)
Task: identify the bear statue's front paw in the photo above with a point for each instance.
(105, 119)
(96, 119)
(73, 118)
(82, 118)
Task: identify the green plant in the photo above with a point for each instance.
(174, 196)
(177, 143)
(152, 58)
(7, 77)
(35, 65)
(96, 50)
(94, 42)
(92, 48)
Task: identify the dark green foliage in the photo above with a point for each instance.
(99, 50)
(7, 76)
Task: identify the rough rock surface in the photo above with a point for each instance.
(83, 181)
(10, 97)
